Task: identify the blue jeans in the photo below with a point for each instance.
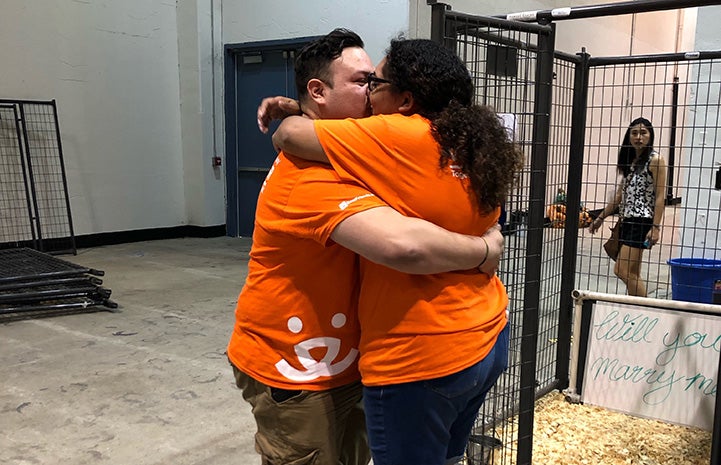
(429, 422)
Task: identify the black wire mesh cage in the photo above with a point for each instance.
(679, 94)
(569, 114)
(34, 203)
(511, 68)
(35, 220)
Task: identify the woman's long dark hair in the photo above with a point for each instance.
(470, 136)
(627, 154)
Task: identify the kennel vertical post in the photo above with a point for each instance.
(534, 244)
(716, 434)
(573, 204)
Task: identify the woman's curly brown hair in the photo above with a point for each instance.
(474, 139)
(471, 137)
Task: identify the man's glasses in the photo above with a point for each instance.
(372, 80)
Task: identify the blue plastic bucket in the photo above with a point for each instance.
(692, 279)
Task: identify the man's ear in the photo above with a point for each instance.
(407, 105)
(316, 90)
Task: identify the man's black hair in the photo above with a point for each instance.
(313, 61)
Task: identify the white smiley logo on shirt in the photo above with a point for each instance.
(316, 368)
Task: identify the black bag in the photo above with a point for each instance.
(612, 245)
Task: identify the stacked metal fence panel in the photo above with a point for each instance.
(34, 203)
(34, 283)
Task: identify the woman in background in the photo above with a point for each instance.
(640, 202)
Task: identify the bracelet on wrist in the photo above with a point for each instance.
(486, 257)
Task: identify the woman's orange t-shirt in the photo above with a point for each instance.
(415, 327)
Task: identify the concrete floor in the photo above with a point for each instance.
(149, 383)
(146, 384)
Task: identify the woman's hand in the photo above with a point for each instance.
(595, 224)
(494, 241)
(275, 108)
(654, 235)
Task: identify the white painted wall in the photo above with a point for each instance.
(376, 21)
(200, 63)
(139, 84)
(113, 69)
(701, 223)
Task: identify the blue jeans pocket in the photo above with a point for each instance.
(476, 376)
(456, 384)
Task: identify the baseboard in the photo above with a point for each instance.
(123, 237)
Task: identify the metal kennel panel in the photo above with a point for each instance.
(39, 282)
(512, 67)
(17, 225)
(35, 284)
(679, 94)
(31, 151)
(68, 306)
(579, 120)
(51, 292)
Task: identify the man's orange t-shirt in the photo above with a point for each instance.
(296, 317)
(415, 327)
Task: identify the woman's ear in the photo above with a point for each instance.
(407, 103)
(316, 90)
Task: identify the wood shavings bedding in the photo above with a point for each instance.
(577, 434)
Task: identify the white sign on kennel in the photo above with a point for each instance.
(653, 363)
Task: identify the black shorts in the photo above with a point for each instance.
(634, 231)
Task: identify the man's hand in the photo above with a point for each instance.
(495, 240)
(274, 108)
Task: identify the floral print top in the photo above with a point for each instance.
(639, 192)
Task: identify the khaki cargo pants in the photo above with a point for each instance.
(307, 427)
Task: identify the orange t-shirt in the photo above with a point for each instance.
(296, 318)
(415, 327)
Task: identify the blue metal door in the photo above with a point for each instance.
(253, 71)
